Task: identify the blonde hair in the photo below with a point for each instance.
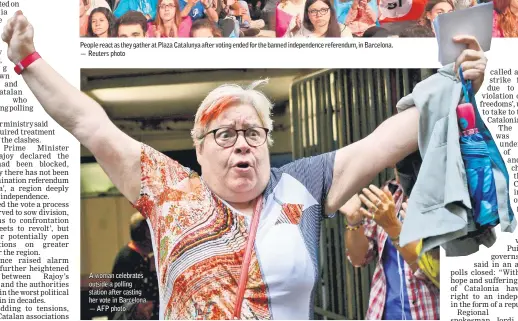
(239, 95)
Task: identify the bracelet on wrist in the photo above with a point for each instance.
(353, 227)
(395, 241)
(26, 62)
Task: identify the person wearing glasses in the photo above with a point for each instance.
(319, 22)
(169, 22)
(200, 223)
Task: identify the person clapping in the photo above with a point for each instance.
(399, 290)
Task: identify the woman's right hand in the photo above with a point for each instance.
(351, 210)
(18, 34)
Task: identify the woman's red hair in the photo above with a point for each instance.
(507, 20)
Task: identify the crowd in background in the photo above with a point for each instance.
(174, 18)
(284, 18)
(363, 18)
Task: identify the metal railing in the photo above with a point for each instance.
(329, 110)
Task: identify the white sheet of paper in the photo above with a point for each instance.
(476, 21)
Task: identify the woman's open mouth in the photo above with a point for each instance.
(242, 166)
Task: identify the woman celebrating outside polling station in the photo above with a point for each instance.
(240, 214)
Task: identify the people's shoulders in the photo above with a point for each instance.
(155, 165)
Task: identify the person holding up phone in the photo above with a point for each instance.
(399, 290)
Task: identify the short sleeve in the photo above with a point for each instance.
(315, 173)
(158, 174)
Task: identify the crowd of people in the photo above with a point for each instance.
(282, 18)
(174, 18)
(365, 18)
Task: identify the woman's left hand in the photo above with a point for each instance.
(472, 60)
(381, 207)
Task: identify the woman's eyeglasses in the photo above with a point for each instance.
(227, 137)
(167, 6)
(314, 12)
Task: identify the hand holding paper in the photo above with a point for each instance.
(472, 60)
(18, 34)
(476, 22)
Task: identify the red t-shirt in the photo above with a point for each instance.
(400, 10)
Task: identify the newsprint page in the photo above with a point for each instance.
(259, 159)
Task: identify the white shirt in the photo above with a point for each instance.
(96, 4)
